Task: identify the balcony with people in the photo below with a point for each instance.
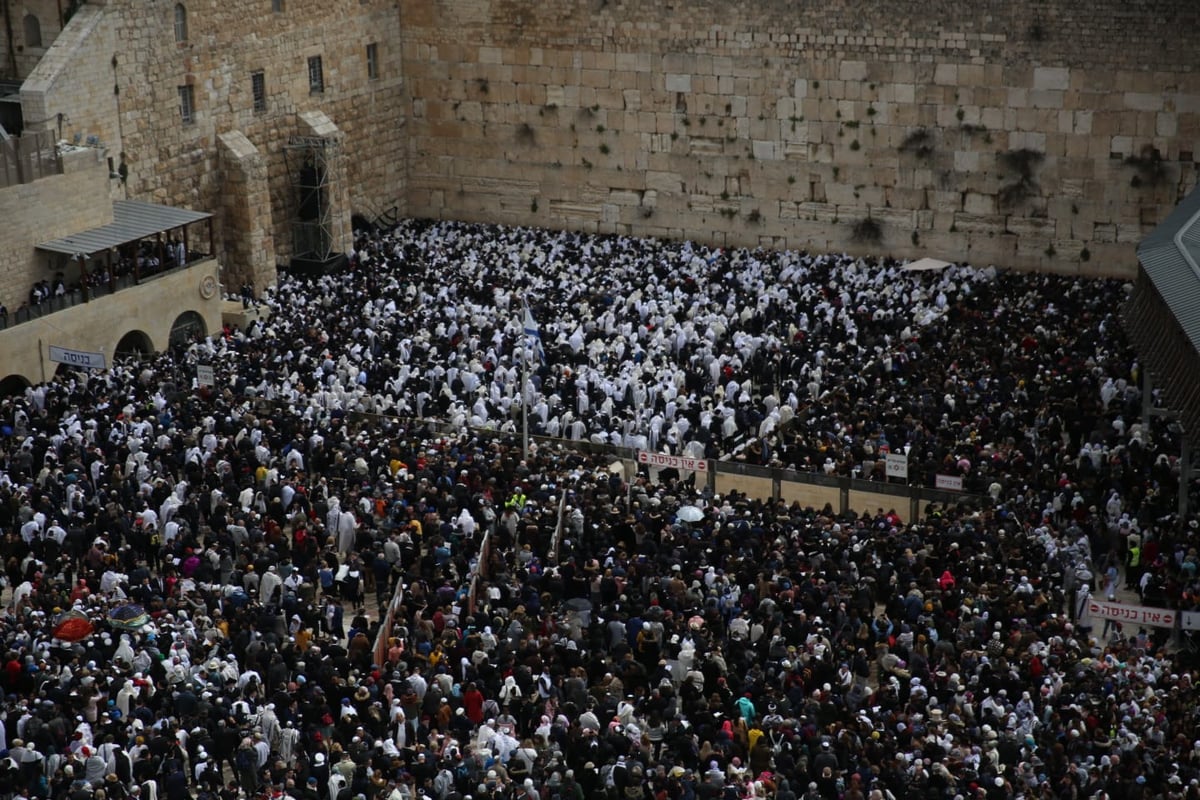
(143, 242)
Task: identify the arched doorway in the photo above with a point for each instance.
(135, 344)
(187, 327)
(13, 386)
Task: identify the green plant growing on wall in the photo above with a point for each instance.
(587, 164)
(851, 124)
(599, 129)
(1151, 171)
(526, 134)
(754, 217)
(854, 145)
(533, 206)
(1085, 255)
(871, 111)
(482, 83)
(604, 148)
(960, 114)
(1023, 163)
(791, 179)
(1050, 251)
(919, 143)
(916, 238)
(866, 231)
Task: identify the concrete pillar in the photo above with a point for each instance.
(245, 215)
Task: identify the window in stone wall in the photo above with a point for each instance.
(316, 75)
(187, 104)
(33, 31)
(258, 88)
(181, 31)
(277, 6)
(373, 61)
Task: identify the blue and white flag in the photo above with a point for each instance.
(533, 333)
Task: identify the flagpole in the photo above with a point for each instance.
(524, 393)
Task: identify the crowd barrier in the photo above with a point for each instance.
(841, 493)
(818, 490)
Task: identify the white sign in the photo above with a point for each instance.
(77, 358)
(951, 482)
(204, 375)
(897, 465)
(1134, 615)
(1189, 620)
(664, 461)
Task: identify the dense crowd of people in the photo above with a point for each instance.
(559, 633)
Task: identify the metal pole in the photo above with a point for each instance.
(1147, 396)
(524, 393)
(1185, 473)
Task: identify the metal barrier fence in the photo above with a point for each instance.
(841, 492)
(24, 159)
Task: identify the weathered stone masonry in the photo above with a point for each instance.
(1048, 135)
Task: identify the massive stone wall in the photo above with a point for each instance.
(119, 79)
(1049, 135)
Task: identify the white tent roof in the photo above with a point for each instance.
(926, 265)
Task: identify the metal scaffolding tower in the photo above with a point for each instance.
(309, 160)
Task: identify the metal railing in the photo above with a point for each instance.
(911, 498)
(26, 158)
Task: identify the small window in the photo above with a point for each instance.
(258, 87)
(316, 75)
(373, 61)
(181, 31)
(187, 104)
(33, 31)
(277, 6)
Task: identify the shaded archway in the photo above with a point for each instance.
(187, 327)
(13, 385)
(33, 31)
(135, 344)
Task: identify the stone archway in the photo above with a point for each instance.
(14, 385)
(135, 344)
(187, 327)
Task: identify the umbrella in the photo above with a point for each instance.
(73, 626)
(128, 618)
(690, 514)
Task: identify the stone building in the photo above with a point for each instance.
(218, 104)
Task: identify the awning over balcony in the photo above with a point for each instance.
(132, 220)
